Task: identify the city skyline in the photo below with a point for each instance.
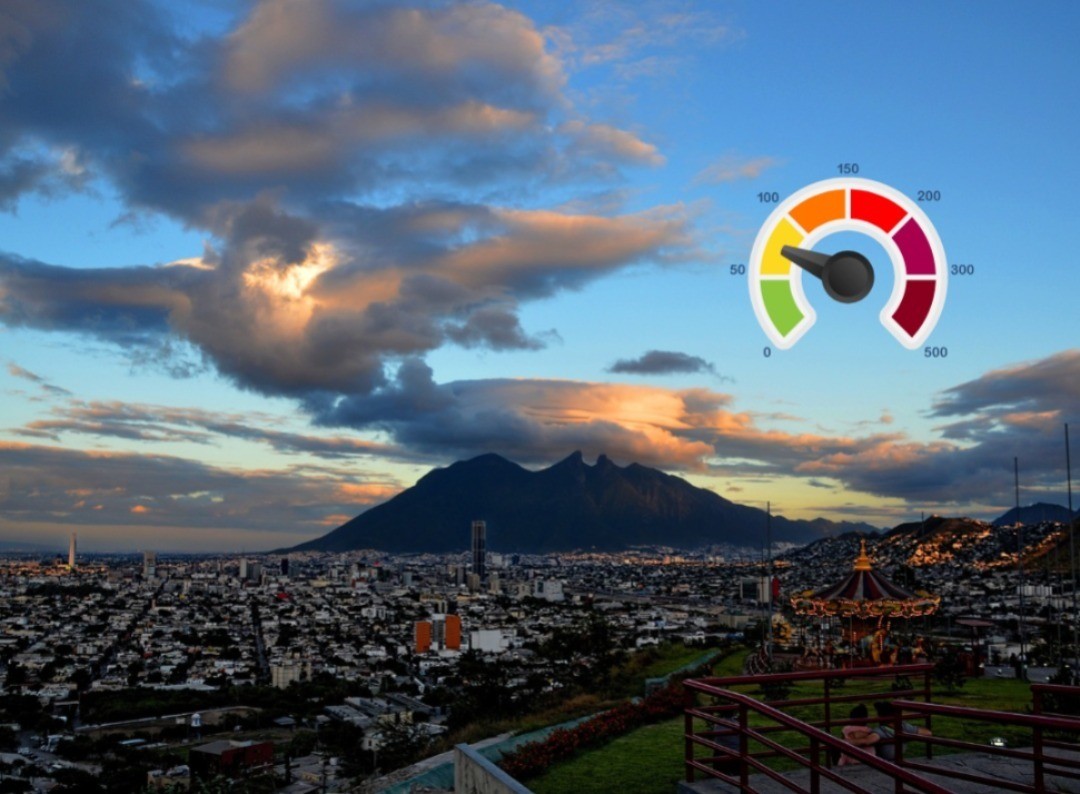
(263, 265)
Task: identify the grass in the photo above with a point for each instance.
(650, 759)
(628, 680)
(647, 760)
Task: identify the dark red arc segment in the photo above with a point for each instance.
(876, 209)
(915, 248)
(915, 306)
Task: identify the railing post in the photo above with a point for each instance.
(927, 698)
(898, 746)
(1037, 735)
(815, 766)
(744, 749)
(689, 752)
(828, 714)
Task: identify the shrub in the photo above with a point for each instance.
(533, 758)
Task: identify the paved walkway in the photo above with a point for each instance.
(1010, 769)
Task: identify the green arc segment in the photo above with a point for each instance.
(780, 304)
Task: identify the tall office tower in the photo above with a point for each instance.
(149, 564)
(479, 547)
(243, 569)
(284, 566)
(71, 552)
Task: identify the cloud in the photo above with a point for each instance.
(605, 140)
(535, 421)
(732, 168)
(1018, 411)
(341, 160)
(628, 35)
(1048, 384)
(18, 372)
(104, 489)
(164, 424)
(286, 308)
(661, 362)
(315, 99)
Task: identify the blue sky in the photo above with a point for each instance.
(264, 265)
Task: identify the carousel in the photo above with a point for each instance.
(866, 605)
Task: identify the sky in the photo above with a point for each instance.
(264, 264)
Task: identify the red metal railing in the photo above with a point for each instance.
(1041, 762)
(735, 746)
(820, 743)
(733, 743)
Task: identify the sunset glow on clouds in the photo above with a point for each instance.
(371, 239)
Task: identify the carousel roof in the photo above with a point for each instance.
(865, 593)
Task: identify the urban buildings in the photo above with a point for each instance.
(479, 548)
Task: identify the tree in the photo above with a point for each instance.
(949, 669)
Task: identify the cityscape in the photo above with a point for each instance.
(314, 665)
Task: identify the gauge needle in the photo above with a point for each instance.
(847, 275)
(810, 261)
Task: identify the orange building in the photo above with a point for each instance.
(423, 636)
(453, 632)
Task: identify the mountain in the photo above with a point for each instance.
(1035, 514)
(570, 505)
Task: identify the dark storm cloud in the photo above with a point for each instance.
(285, 313)
(1051, 383)
(661, 362)
(283, 141)
(316, 98)
(492, 327)
(1018, 411)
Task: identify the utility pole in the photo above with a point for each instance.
(769, 573)
(1020, 565)
(1072, 541)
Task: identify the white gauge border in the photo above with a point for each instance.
(900, 275)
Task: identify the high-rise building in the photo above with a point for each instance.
(71, 552)
(243, 569)
(479, 547)
(453, 633)
(473, 582)
(149, 564)
(423, 636)
(255, 571)
(284, 566)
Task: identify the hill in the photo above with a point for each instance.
(570, 505)
(1035, 514)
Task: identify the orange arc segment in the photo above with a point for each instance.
(819, 209)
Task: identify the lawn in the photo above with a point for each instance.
(650, 759)
(647, 760)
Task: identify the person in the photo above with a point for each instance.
(885, 743)
(858, 733)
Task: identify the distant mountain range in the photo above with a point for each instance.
(570, 505)
(1035, 514)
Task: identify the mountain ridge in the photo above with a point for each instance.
(566, 506)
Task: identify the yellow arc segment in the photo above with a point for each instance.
(785, 233)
